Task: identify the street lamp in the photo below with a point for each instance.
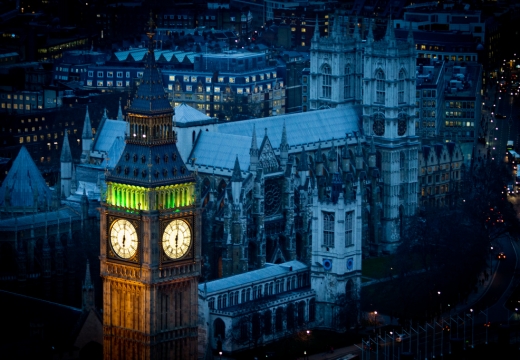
(308, 336)
(220, 354)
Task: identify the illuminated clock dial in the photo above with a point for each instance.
(176, 239)
(123, 238)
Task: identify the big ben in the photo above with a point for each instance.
(150, 242)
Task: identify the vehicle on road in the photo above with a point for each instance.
(510, 145)
(501, 256)
(500, 116)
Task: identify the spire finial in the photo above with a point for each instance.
(237, 174)
(284, 135)
(316, 35)
(254, 145)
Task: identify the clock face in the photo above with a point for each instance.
(379, 127)
(176, 239)
(123, 238)
(401, 127)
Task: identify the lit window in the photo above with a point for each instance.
(172, 77)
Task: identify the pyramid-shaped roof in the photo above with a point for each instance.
(23, 182)
(150, 96)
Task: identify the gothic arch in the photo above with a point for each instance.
(326, 81)
(252, 252)
(279, 319)
(219, 329)
(350, 290)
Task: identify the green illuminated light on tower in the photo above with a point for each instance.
(141, 198)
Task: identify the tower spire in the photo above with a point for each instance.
(316, 35)
(120, 112)
(370, 35)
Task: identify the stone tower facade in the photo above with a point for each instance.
(150, 239)
(389, 117)
(336, 66)
(349, 67)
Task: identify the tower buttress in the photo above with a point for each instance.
(86, 139)
(66, 166)
(87, 298)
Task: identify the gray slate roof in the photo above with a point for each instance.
(108, 133)
(21, 181)
(150, 96)
(302, 128)
(256, 276)
(219, 149)
(185, 114)
(150, 166)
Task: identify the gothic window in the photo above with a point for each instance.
(272, 198)
(349, 290)
(402, 124)
(326, 78)
(400, 87)
(312, 310)
(328, 229)
(256, 326)
(379, 124)
(231, 299)
(243, 296)
(301, 313)
(290, 316)
(347, 85)
(211, 303)
(279, 319)
(219, 302)
(219, 328)
(348, 228)
(236, 297)
(248, 294)
(402, 165)
(380, 86)
(244, 329)
(268, 326)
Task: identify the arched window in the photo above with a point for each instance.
(402, 165)
(347, 86)
(328, 229)
(312, 310)
(279, 319)
(211, 303)
(256, 326)
(290, 317)
(380, 86)
(326, 82)
(268, 326)
(400, 87)
(349, 290)
(301, 313)
(219, 328)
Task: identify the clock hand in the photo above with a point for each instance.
(124, 233)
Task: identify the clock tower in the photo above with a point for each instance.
(150, 237)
